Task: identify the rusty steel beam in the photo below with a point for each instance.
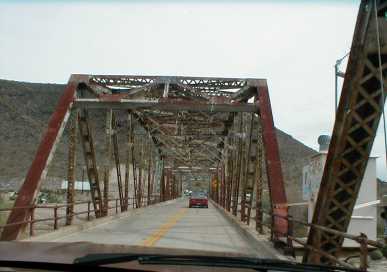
(273, 162)
(167, 104)
(129, 152)
(162, 184)
(238, 166)
(259, 182)
(230, 168)
(134, 171)
(71, 168)
(149, 174)
(90, 161)
(116, 155)
(37, 171)
(108, 161)
(360, 108)
(250, 167)
(243, 179)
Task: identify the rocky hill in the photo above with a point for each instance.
(25, 109)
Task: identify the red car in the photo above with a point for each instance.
(198, 199)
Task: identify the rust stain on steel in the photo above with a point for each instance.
(30, 187)
(273, 163)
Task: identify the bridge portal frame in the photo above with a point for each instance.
(206, 94)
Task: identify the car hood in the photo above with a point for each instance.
(58, 252)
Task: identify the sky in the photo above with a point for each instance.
(293, 44)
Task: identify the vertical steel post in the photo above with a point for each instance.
(273, 162)
(363, 252)
(117, 162)
(88, 210)
(167, 185)
(245, 168)
(218, 185)
(134, 170)
(71, 168)
(230, 173)
(87, 141)
(55, 217)
(128, 160)
(259, 184)
(173, 186)
(153, 182)
(223, 185)
(238, 166)
(162, 185)
(149, 174)
(108, 162)
(181, 185)
(32, 218)
(140, 182)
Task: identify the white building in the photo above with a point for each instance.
(364, 217)
(78, 185)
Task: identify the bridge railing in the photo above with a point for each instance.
(287, 239)
(59, 217)
(361, 239)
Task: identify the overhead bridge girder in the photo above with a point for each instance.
(357, 119)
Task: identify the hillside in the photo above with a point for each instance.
(25, 109)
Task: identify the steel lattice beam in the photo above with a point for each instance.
(354, 131)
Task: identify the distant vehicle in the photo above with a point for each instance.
(198, 199)
(248, 197)
(42, 198)
(187, 192)
(13, 196)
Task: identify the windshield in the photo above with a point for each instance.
(166, 131)
(198, 195)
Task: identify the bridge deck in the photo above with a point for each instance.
(171, 224)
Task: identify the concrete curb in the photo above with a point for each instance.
(252, 237)
(68, 230)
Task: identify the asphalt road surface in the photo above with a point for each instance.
(173, 225)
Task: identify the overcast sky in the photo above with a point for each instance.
(294, 44)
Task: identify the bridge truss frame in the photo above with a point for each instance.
(194, 124)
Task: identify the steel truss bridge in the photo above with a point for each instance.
(218, 128)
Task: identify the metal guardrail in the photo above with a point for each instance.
(362, 239)
(56, 218)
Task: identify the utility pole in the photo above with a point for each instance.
(338, 74)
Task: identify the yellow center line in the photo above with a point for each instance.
(159, 233)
